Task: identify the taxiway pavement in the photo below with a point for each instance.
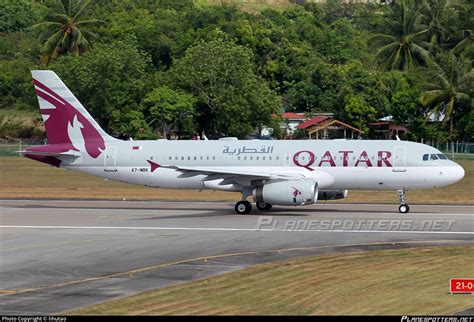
(57, 256)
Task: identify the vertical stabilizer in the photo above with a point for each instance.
(68, 125)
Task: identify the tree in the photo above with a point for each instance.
(403, 48)
(130, 123)
(449, 91)
(404, 106)
(16, 89)
(320, 91)
(231, 99)
(174, 110)
(435, 14)
(66, 30)
(358, 112)
(462, 31)
(111, 78)
(16, 15)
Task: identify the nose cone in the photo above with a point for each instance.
(456, 173)
(461, 173)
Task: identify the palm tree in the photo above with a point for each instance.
(449, 89)
(66, 31)
(403, 48)
(434, 14)
(463, 33)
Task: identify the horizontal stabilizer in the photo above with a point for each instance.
(73, 154)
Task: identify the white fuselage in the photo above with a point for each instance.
(334, 164)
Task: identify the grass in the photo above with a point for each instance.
(24, 178)
(23, 114)
(394, 282)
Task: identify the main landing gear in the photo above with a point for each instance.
(403, 208)
(244, 207)
(263, 205)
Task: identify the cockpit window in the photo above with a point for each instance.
(433, 157)
(426, 157)
(442, 156)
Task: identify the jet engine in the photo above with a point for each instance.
(332, 194)
(292, 192)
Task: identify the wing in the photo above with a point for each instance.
(235, 175)
(233, 171)
(253, 176)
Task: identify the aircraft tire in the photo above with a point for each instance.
(263, 205)
(243, 207)
(404, 208)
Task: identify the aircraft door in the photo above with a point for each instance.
(399, 159)
(110, 162)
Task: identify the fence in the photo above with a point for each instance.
(11, 146)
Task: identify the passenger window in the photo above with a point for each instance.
(433, 157)
(442, 157)
(426, 157)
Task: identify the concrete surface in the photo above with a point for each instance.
(58, 255)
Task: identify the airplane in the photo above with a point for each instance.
(272, 172)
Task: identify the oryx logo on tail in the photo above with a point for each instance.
(66, 127)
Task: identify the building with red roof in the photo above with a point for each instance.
(325, 127)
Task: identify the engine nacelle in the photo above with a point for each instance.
(332, 194)
(293, 192)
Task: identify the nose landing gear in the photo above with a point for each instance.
(403, 208)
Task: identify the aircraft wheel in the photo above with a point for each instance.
(404, 208)
(243, 207)
(263, 205)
